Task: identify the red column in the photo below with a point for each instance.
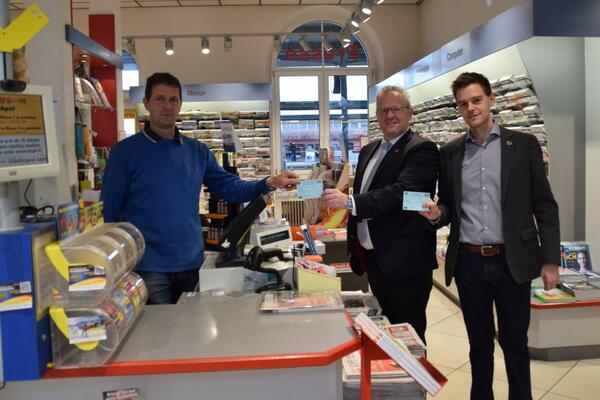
(104, 121)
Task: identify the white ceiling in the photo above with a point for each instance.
(83, 4)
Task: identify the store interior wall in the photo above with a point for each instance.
(440, 21)
(557, 68)
(592, 148)
(50, 64)
(390, 38)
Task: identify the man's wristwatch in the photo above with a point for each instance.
(349, 203)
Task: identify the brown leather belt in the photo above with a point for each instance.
(484, 250)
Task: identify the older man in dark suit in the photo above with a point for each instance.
(396, 248)
(504, 232)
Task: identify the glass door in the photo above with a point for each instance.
(348, 115)
(299, 121)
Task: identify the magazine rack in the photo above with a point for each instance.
(370, 351)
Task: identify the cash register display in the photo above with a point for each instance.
(274, 237)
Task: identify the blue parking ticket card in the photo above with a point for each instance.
(413, 201)
(310, 189)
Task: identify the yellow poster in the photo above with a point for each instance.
(21, 114)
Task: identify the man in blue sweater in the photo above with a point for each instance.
(153, 180)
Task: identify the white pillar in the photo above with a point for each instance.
(592, 147)
(49, 57)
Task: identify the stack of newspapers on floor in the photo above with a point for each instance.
(406, 374)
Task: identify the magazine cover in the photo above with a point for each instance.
(68, 220)
(576, 256)
(286, 301)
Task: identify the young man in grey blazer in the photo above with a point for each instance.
(504, 232)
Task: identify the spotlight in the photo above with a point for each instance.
(303, 43)
(379, 1)
(355, 21)
(277, 42)
(362, 17)
(353, 29)
(366, 7)
(205, 46)
(345, 36)
(169, 47)
(228, 43)
(326, 44)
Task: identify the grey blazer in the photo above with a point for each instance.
(529, 211)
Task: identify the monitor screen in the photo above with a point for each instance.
(28, 145)
(237, 229)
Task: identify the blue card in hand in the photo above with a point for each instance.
(413, 201)
(310, 189)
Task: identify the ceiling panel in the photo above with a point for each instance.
(412, 2)
(195, 3)
(307, 2)
(280, 2)
(158, 3)
(80, 5)
(240, 2)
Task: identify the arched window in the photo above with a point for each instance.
(320, 96)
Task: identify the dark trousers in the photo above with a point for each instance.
(166, 287)
(483, 282)
(401, 299)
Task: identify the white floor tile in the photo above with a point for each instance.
(594, 361)
(544, 374)
(447, 350)
(581, 382)
(459, 387)
(554, 396)
(439, 300)
(435, 315)
(453, 325)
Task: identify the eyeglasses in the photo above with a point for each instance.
(393, 110)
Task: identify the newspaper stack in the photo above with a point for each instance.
(419, 368)
(388, 379)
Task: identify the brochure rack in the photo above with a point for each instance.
(97, 297)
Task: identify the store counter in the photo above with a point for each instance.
(214, 347)
(564, 331)
(557, 331)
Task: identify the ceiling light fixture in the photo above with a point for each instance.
(353, 29)
(169, 47)
(205, 45)
(228, 44)
(304, 44)
(345, 36)
(355, 20)
(327, 46)
(366, 7)
(379, 1)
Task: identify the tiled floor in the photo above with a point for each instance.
(448, 349)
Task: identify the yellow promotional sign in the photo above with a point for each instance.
(22, 29)
(20, 115)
